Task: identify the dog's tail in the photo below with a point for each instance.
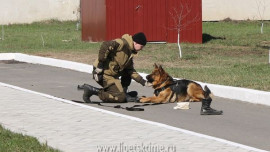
(207, 92)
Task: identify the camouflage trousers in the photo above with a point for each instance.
(114, 88)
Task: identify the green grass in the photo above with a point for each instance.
(13, 142)
(237, 33)
(42, 37)
(233, 53)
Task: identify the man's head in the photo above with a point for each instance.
(139, 40)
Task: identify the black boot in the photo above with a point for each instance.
(131, 96)
(207, 110)
(131, 93)
(88, 91)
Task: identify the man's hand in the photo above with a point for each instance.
(148, 84)
(145, 83)
(99, 68)
(98, 77)
(97, 73)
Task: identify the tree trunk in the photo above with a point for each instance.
(178, 43)
(262, 28)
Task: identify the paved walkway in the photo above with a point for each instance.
(73, 127)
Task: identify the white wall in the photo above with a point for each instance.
(235, 9)
(27, 11)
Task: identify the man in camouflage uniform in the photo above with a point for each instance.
(115, 60)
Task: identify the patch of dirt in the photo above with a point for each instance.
(71, 56)
(232, 51)
(140, 61)
(265, 44)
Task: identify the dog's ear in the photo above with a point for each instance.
(155, 65)
(161, 69)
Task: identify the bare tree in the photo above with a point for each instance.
(261, 6)
(179, 14)
(43, 42)
(78, 14)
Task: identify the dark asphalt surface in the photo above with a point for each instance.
(244, 123)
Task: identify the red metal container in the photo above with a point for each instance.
(110, 19)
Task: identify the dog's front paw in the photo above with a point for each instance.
(143, 99)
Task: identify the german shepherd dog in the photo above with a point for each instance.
(169, 90)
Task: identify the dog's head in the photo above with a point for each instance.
(158, 76)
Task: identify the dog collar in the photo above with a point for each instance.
(175, 86)
(157, 91)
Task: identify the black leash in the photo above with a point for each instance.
(133, 108)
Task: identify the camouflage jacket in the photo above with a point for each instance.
(116, 57)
